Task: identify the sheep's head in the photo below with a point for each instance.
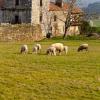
(78, 50)
(24, 49)
(65, 48)
(35, 49)
(48, 51)
(82, 48)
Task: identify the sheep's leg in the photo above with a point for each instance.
(66, 52)
(21, 52)
(59, 52)
(54, 53)
(36, 52)
(40, 51)
(86, 49)
(51, 53)
(25, 52)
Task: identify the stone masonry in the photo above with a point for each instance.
(49, 15)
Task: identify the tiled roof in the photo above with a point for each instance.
(53, 7)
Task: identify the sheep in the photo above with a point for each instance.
(83, 47)
(60, 47)
(24, 49)
(37, 48)
(65, 49)
(51, 51)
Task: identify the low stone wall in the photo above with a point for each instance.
(24, 32)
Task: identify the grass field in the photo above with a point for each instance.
(75, 76)
(96, 23)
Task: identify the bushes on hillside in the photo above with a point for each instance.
(85, 27)
(89, 31)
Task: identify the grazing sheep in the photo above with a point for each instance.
(65, 49)
(24, 49)
(51, 51)
(37, 48)
(83, 47)
(59, 47)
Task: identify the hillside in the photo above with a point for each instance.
(93, 8)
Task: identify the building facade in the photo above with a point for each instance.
(59, 14)
(16, 11)
(50, 15)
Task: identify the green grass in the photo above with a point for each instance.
(75, 76)
(96, 23)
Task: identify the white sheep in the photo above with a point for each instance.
(83, 47)
(51, 51)
(37, 48)
(65, 49)
(24, 49)
(60, 47)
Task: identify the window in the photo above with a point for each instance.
(16, 2)
(59, 3)
(55, 18)
(41, 17)
(41, 3)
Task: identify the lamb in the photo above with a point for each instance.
(24, 49)
(51, 51)
(83, 47)
(60, 47)
(37, 48)
(65, 49)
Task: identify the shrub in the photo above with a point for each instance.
(85, 27)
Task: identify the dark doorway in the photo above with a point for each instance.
(16, 20)
(16, 2)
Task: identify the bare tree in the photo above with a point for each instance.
(68, 18)
(46, 22)
(49, 16)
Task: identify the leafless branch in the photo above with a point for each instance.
(67, 22)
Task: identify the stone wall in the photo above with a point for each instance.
(20, 33)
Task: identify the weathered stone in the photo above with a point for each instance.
(20, 33)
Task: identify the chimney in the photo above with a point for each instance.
(59, 3)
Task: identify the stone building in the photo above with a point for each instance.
(50, 15)
(1, 4)
(16, 11)
(59, 12)
(0, 16)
